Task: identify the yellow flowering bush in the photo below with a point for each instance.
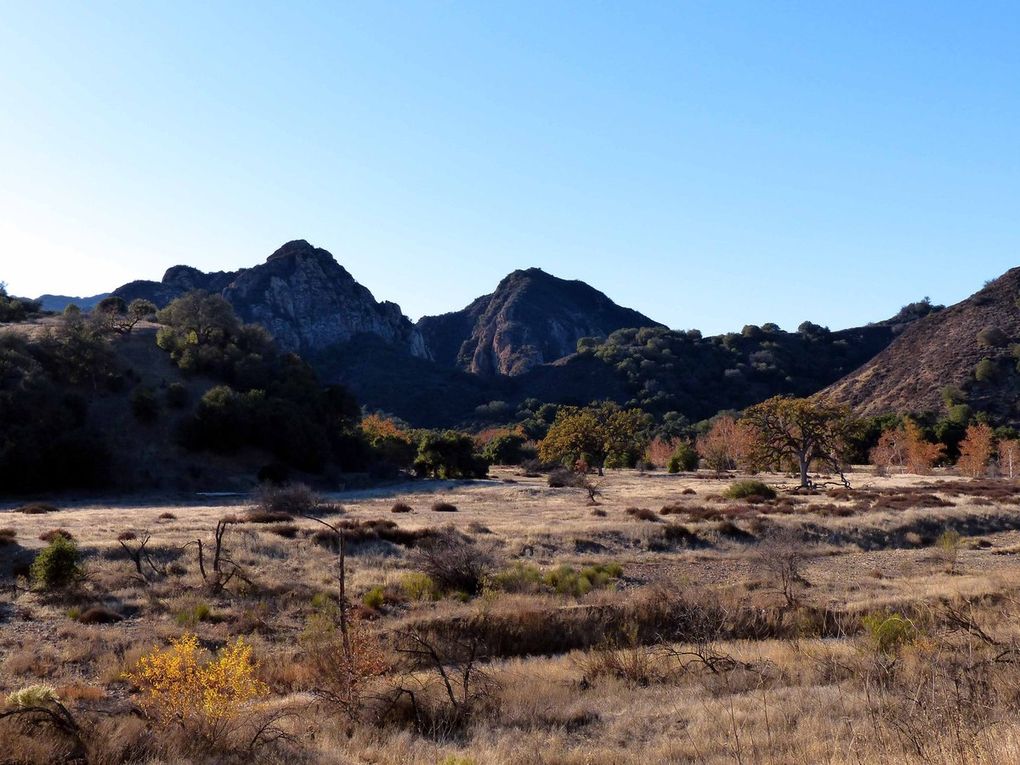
(183, 683)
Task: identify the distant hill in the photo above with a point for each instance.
(944, 350)
(58, 303)
(532, 318)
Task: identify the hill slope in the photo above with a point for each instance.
(944, 349)
(532, 318)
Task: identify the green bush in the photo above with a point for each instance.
(419, 586)
(889, 632)
(685, 457)
(986, 370)
(750, 489)
(57, 564)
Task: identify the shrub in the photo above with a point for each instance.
(49, 536)
(32, 696)
(454, 563)
(374, 598)
(567, 580)
(7, 536)
(144, 405)
(57, 564)
(419, 586)
(561, 478)
(685, 458)
(180, 685)
(992, 337)
(167, 516)
(443, 507)
(750, 489)
(889, 632)
(177, 396)
(986, 370)
(401, 507)
(291, 500)
(99, 615)
(642, 513)
(36, 508)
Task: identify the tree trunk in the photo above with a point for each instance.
(804, 465)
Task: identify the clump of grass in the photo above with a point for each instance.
(750, 490)
(374, 598)
(401, 507)
(259, 515)
(443, 507)
(564, 580)
(126, 536)
(7, 536)
(168, 516)
(192, 615)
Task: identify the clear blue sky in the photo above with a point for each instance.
(710, 164)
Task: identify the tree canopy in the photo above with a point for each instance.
(600, 435)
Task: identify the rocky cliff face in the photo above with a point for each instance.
(307, 300)
(532, 318)
(944, 350)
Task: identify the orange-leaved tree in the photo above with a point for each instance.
(976, 450)
(727, 444)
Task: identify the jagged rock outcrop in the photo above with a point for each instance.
(943, 350)
(306, 300)
(532, 318)
(310, 302)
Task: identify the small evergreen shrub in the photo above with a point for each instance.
(750, 489)
(177, 396)
(56, 565)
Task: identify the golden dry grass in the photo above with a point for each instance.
(634, 673)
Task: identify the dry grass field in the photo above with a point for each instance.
(666, 624)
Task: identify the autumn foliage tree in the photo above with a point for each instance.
(727, 444)
(799, 430)
(906, 448)
(600, 435)
(976, 450)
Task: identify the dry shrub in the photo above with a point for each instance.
(293, 499)
(642, 514)
(624, 658)
(443, 507)
(454, 563)
(126, 536)
(688, 490)
(49, 536)
(36, 508)
(167, 516)
(257, 515)
(99, 615)
(401, 507)
(7, 536)
(361, 532)
(285, 530)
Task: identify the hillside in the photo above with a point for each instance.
(532, 318)
(944, 350)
